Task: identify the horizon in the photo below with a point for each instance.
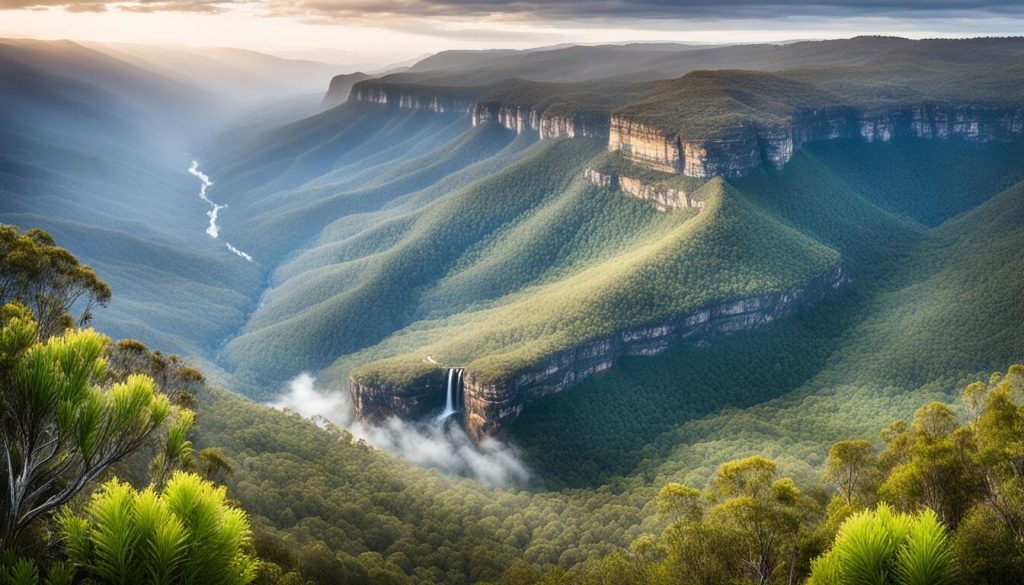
(363, 33)
(323, 55)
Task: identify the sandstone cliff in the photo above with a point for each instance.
(488, 406)
(662, 198)
(413, 97)
(376, 401)
(340, 87)
(524, 118)
(735, 151)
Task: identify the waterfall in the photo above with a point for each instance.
(459, 392)
(454, 380)
(449, 406)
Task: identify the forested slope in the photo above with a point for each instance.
(927, 311)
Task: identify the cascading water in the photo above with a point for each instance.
(462, 392)
(454, 379)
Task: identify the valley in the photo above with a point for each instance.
(467, 318)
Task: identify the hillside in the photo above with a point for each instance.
(927, 309)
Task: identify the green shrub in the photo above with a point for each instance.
(189, 533)
(883, 547)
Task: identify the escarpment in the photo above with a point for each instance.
(488, 405)
(709, 124)
(378, 400)
(645, 144)
(413, 97)
(521, 119)
(738, 149)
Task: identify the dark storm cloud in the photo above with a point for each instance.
(566, 9)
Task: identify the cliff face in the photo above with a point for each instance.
(411, 98)
(518, 119)
(745, 148)
(377, 401)
(663, 199)
(727, 152)
(489, 406)
(522, 119)
(646, 145)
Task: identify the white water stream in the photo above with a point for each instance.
(213, 230)
(454, 379)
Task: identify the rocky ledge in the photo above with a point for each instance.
(662, 198)
(487, 407)
(340, 88)
(736, 151)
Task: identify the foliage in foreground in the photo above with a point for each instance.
(62, 426)
(187, 533)
(882, 547)
(75, 407)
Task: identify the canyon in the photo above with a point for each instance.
(656, 141)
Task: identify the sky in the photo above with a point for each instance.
(387, 31)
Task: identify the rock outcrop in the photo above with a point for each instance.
(518, 119)
(662, 198)
(376, 401)
(340, 88)
(734, 152)
(488, 406)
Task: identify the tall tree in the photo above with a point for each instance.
(762, 511)
(47, 279)
(931, 464)
(852, 467)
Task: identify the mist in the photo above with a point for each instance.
(439, 445)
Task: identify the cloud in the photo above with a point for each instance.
(576, 10)
(192, 6)
(441, 445)
(644, 9)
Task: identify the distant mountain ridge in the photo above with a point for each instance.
(725, 123)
